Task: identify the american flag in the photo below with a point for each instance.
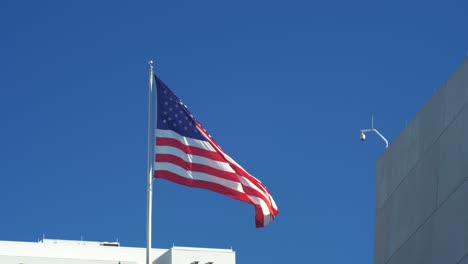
(187, 155)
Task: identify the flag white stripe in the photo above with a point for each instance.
(224, 166)
(206, 161)
(273, 203)
(265, 210)
(211, 163)
(184, 140)
(230, 160)
(248, 183)
(216, 148)
(198, 175)
(209, 178)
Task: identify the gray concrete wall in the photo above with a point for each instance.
(421, 214)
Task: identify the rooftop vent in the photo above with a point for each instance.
(79, 242)
(110, 244)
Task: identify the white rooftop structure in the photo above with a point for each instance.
(52, 251)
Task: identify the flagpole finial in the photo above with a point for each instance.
(150, 64)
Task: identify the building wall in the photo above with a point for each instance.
(85, 252)
(182, 255)
(421, 211)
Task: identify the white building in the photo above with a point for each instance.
(51, 251)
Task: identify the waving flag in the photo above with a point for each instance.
(187, 155)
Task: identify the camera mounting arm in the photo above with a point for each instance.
(363, 135)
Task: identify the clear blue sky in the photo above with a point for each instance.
(283, 86)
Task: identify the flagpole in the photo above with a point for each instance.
(150, 166)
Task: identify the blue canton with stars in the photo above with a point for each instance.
(173, 114)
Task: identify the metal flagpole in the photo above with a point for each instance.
(150, 166)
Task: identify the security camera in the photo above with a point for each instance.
(362, 137)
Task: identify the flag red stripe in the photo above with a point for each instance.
(262, 194)
(196, 167)
(250, 191)
(259, 214)
(160, 141)
(264, 214)
(201, 184)
(192, 176)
